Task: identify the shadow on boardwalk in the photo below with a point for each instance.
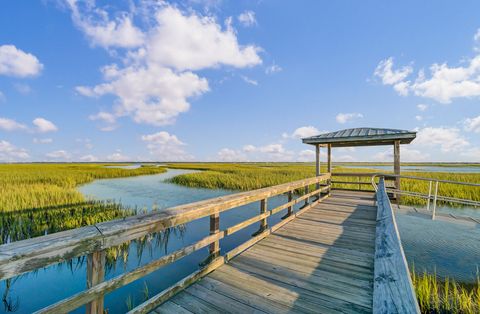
(321, 262)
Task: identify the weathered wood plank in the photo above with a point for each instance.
(163, 296)
(393, 289)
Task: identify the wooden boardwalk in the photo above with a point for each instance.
(320, 262)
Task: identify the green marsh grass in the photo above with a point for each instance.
(33, 186)
(444, 295)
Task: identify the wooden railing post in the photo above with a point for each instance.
(95, 275)
(290, 208)
(214, 248)
(306, 192)
(263, 222)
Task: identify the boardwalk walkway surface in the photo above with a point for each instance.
(320, 262)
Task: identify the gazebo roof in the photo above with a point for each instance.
(361, 137)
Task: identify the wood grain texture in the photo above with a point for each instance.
(318, 260)
(393, 289)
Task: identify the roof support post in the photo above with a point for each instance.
(329, 160)
(317, 165)
(396, 167)
(317, 159)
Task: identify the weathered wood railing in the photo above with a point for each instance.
(343, 180)
(24, 256)
(393, 291)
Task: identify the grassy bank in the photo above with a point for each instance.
(445, 296)
(33, 186)
(249, 176)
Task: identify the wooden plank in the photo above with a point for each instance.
(163, 296)
(333, 294)
(170, 307)
(194, 304)
(288, 295)
(318, 275)
(226, 304)
(393, 289)
(254, 300)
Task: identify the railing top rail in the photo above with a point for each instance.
(27, 255)
(393, 290)
(425, 179)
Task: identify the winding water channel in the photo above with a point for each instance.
(449, 249)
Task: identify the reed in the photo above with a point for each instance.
(33, 186)
(444, 295)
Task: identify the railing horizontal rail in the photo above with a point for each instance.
(23, 256)
(430, 179)
(362, 174)
(439, 197)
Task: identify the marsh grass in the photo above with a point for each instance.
(249, 176)
(34, 186)
(444, 295)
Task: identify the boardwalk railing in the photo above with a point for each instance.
(433, 196)
(28, 255)
(355, 181)
(393, 290)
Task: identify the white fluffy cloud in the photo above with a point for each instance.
(247, 18)
(406, 154)
(422, 107)
(117, 157)
(249, 80)
(444, 84)
(343, 118)
(306, 155)
(103, 31)
(396, 78)
(15, 62)
(269, 152)
(11, 125)
(59, 154)
(230, 155)
(108, 120)
(42, 140)
(156, 81)
(302, 132)
(43, 125)
(448, 139)
(11, 153)
(89, 158)
(273, 69)
(472, 124)
(166, 147)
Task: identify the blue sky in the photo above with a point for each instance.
(235, 80)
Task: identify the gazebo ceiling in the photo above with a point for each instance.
(361, 137)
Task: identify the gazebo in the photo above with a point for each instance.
(361, 137)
